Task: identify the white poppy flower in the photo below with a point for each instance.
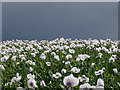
(27, 48)
(66, 47)
(17, 74)
(103, 68)
(64, 52)
(57, 75)
(81, 57)
(71, 51)
(2, 67)
(16, 79)
(115, 70)
(48, 63)
(43, 56)
(13, 58)
(111, 59)
(114, 56)
(115, 50)
(33, 63)
(93, 87)
(6, 84)
(99, 72)
(63, 71)
(56, 57)
(29, 76)
(20, 56)
(85, 86)
(84, 79)
(77, 59)
(4, 59)
(42, 83)
(30, 69)
(53, 53)
(23, 59)
(63, 61)
(33, 54)
(100, 83)
(70, 81)
(67, 63)
(98, 49)
(118, 84)
(86, 56)
(72, 45)
(54, 76)
(75, 70)
(47, 51)
(17, 63)
(31, 83)
(71, 66)
(29, 62)
(92, 64)
(39, 48)
(68, 56)
(100, 55)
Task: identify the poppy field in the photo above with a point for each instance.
(60, 64)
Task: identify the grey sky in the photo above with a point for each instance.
(60, 0)
(51, 20)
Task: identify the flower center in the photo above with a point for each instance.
(31, 84)
(69, 84)
(86, 88)
(101, 85)
(57, 75)
(42, 84)
(15, 81)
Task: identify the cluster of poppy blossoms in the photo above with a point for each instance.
(60, 63)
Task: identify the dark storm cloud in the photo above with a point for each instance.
(54, 20)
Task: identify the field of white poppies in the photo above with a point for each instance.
(60, 64)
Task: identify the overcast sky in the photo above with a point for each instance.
(60, 0)
(54, 20)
